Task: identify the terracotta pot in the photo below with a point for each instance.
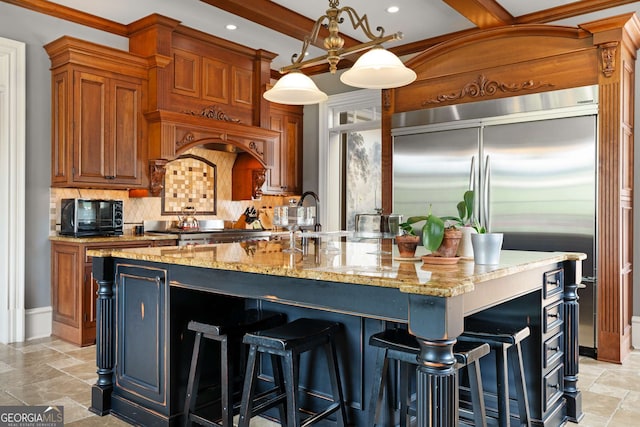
(407, 245)
(450, 242)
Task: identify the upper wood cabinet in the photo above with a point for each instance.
(98, 131)
(284, 175)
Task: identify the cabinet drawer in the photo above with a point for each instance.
(553, 384)
(553, 316)
(553, 282)
(553, 349)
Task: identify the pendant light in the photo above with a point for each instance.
(376, 69)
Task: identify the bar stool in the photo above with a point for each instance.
(399, 345)
(505, 343)
(285, 344)
(228, 332)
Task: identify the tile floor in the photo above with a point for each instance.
(52, 372)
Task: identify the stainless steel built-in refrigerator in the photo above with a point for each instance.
(532, 163)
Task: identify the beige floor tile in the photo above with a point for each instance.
(7, 400)
(624, 418)
(5, 368)
(85, 371)
(632, 403)
(96, 421)
(86, 354)
(591, 420)
(606, 390)
(599, 404)
(73, 411)
(29, 374)
(49, 390)
(620, 378)
(66, 363)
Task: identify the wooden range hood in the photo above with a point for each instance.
(174, 133)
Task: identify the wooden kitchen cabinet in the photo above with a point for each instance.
(285, 173)
(98, 130)
(73, 290)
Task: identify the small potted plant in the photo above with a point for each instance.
(486, 247)
(407, 241)
(439, 235)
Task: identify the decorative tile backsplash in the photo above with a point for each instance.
(190, 181)
(137, 210)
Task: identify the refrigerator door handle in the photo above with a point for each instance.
(472, 176)
(486, 194)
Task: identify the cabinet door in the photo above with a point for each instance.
(141, 372)
(123, 158)
(61, 125)
(90, 295)
(90, 122)
(65, 294)
(89, 301)
(284, 176)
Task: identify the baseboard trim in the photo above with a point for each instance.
(38, 322)
(635, 332)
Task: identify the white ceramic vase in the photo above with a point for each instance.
(487, 247)
(465, 248)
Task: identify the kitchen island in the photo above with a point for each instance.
(146, 296)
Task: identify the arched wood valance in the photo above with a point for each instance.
(522, 59)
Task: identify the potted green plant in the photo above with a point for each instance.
(442, 235)
(407, 241)
(486, 247)
(439, 238)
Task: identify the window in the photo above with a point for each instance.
(350, 158)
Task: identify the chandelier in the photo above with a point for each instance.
(376, 69)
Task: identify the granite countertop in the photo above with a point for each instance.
(112, 239)
(355, 262)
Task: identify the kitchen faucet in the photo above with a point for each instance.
(316, 226)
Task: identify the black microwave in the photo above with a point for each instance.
(91, 217)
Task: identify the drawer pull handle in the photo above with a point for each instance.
(554, 349)
(553, 386)
(553, 315)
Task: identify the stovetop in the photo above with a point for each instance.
(207, 226)
(206, 231)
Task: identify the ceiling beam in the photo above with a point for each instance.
(569, 11)
(482, 13)
(73, 15)
(278, 18)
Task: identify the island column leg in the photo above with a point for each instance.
(436, 322)
(437, 383)
(101, 391)
(573, 396)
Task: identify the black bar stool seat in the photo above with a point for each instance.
(285, 343)
(226, 331)
(400, 345)
(505, 342)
